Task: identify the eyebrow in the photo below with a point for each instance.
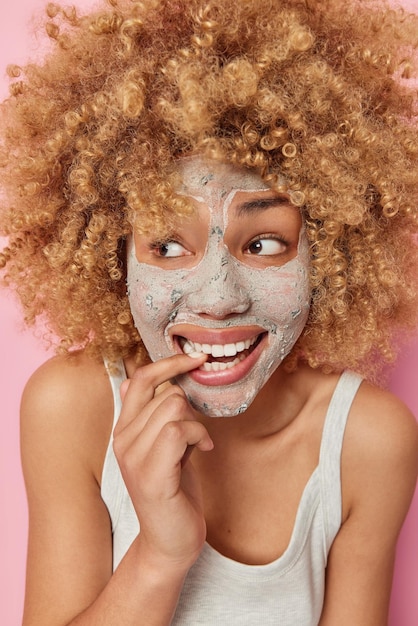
(262, 204)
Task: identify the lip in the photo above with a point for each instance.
(233, 374)
(212, 336)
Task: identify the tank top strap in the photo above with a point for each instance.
(112, 486)
(330, 453)
(117, 374)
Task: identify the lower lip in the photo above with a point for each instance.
(230, 375)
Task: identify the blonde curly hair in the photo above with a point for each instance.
(316, 90)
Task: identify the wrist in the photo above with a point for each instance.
(161, 569)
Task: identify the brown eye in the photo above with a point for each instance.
(169, 249)
(266, 247)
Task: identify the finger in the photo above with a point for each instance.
(187, 454)
(164, 460)
(142, 386)
(170, 404)
(124, 387)
(141, 434)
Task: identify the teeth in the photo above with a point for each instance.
(217, 350)
(230, 349)
(216, 366)
(188, 348)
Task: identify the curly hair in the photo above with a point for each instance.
(321, 92)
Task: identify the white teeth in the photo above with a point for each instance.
(230, 349)
(217, 350)
(188, 348)
(216, 366)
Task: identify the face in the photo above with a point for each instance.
(232, 281)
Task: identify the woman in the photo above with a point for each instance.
(253, 181)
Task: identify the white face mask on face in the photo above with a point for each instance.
(232, 282)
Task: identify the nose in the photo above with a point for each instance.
(221, 293)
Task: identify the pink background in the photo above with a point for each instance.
(22, 353)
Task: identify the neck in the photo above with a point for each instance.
(275, 407)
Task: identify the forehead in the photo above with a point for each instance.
(219, 186)
(203, 178)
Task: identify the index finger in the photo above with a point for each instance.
(143, 384)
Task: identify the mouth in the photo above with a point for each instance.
(221, 357)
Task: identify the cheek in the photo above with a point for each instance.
(153, 304)
(151, 299)
(290, 294)
(280, 295)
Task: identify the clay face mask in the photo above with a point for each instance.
(231, 282)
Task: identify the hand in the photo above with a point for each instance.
(152, 441)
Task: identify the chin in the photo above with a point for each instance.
(217, 401)
(213, 411)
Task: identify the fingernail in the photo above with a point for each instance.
(195, 355)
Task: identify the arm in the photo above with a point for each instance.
(66, 421)
(379, 471)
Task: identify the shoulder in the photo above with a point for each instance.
(381, 426)
(67, 404)
(380, 453)
(66, 373)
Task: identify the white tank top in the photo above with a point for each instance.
(287, 592)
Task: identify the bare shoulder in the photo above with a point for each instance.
(380, 447)
(67, 373)
(382, 424)
(68, 405)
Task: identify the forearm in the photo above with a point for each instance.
(140, 592)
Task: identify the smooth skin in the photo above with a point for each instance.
(194, 478)
(67, 412)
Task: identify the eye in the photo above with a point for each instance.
(169, 249)
(266, 246)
